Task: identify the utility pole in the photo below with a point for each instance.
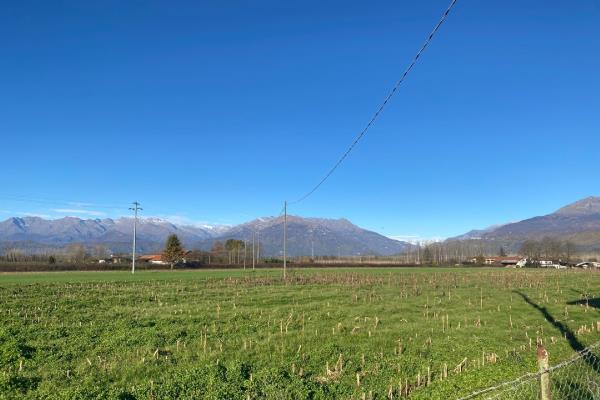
(244, 254)
(253, 251)
(284, 238)
(136, 207)
(312, 244)
(257, 247)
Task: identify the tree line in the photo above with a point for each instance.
(460, 251)
(548, 248)
(72, 253)
(238, 252)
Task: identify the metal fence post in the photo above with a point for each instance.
(542, 356)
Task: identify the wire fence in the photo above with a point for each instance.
(577, 378)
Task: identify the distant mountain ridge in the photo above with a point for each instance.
(317, 236)
(305, 235)
(111, 232)
(578, 222)
(478, 233)
(584, 207)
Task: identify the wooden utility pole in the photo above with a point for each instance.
(284, 239)
(245, 254)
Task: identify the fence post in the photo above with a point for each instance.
(542, 356)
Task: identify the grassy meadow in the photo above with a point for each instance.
(321, 334)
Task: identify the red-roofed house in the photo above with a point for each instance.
(509, 261)
(153, 259)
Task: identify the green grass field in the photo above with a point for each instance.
(322, 334)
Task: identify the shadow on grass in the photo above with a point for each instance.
(595, 302)
(589, 358)
(585, 300)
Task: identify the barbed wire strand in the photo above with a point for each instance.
(533, 375)
(382, 106)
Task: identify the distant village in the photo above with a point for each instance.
(520, 262)
(547, 253)
(231, 255)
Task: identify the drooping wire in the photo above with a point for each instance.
(382, 106)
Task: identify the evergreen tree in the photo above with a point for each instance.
(502, 252)
(173, 252)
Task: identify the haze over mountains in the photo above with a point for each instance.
(305, 235)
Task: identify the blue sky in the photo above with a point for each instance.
(218, 111)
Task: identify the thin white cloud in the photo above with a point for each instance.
(79, 204)
(79, 212)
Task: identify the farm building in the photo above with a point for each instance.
(115, 259)
(157, 258)
(510, 261)
(153, 259)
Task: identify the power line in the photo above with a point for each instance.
(382, 106)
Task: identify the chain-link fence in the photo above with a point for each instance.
(577, 378)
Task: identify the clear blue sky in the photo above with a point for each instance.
(218, 111)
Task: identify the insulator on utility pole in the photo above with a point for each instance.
(136, 207)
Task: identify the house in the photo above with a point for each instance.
(550, 264)
(515, 261)
(115, 259)
(157, 259)
(511, 261)
(153, 259)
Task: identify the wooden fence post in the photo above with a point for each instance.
(542, 356)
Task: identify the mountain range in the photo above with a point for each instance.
(306, 236)
(318, 236)
(578, 222)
